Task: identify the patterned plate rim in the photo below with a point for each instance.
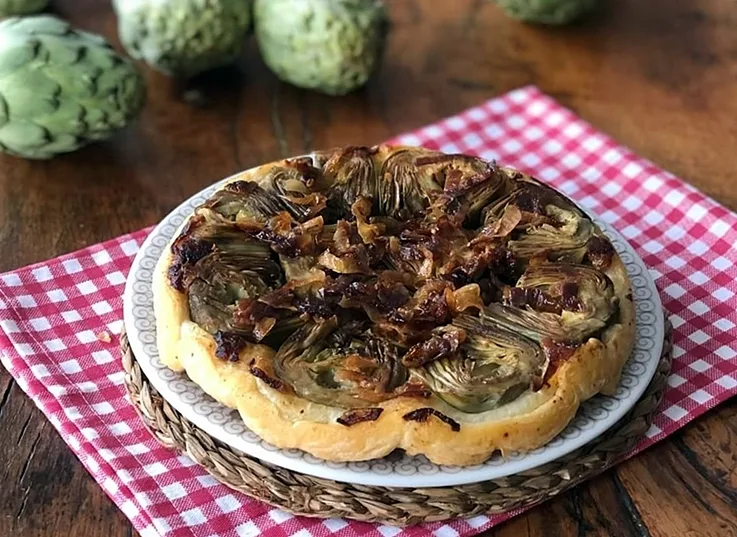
(593, 419)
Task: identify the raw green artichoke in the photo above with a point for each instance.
(330, 46)
(21, 7)
(547, 11)
(183, 38)
(61, 88)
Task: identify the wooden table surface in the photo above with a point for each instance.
(659, 76)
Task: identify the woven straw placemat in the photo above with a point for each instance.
(311, 496)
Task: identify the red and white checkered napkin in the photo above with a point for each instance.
(52, 313)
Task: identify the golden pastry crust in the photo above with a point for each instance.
(288, 421)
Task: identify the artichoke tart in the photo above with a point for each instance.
(360, 300)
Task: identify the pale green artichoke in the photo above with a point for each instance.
(61, 88)
(331, 46)
(183, 38)
(548, 11)
(21, 7)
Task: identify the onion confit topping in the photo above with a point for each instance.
(442, 344)
(266, 378)
(600, 252)
(351, 417)
(186, 253)
(423, 414)
(557, 352)
(408, 274)
(229, 345)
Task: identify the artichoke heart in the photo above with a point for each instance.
(558, 302)
(595, 305)
(564, 240)
(216, 290)
(237, 250)
(340, 366)
(495, 366)
(404, 190)
(351, 176)
(282, 189)
(541, 223)
(292, 184)
(468, 183)
(244, 201)
(585, 295)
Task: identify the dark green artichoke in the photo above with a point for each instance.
(9, 8)
(331, 46)
(183, 38)
(61, 88)
(548, 11)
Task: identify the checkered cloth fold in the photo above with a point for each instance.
(54, 315)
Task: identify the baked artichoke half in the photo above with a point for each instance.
(367, 282)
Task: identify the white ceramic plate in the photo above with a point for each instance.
(594, 417)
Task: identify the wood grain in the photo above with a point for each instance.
(658, 76)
